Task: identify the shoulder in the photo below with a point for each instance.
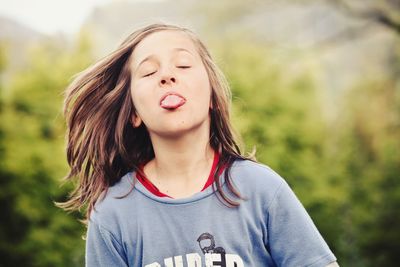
(253, 177)
(112, 203)
(255, 173)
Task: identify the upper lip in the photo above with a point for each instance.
(170, 93)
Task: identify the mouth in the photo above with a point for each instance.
(172, 100)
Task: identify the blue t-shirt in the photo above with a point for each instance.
(270, 228)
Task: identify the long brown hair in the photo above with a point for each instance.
(102, 144)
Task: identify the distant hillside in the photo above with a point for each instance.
(111, 23)
(12, 30)
(16, 38)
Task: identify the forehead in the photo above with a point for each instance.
(162, 41)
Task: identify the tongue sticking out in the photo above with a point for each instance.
(172, 101)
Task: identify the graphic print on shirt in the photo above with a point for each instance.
(209, 248)
(213, 256)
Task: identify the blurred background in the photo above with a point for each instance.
(316, 88)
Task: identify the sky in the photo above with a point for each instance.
(50, 16)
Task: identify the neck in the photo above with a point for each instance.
(181, 159)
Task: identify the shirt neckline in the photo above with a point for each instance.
(174, 201)
(150, 187)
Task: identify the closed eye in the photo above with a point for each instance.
(183, 67)
(149, 74)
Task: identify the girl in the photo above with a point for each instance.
(160, 172)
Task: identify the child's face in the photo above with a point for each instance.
(170, 87)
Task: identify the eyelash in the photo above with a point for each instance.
(180, 67)
(147, 75)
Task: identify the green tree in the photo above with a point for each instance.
(12, 228)
(370, 140)
(36, 233)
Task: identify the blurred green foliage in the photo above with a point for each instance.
(345, 172)
(33, 231)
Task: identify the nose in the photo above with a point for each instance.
(167, 78)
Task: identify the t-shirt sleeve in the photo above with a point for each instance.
(102, 248)
(292, 237)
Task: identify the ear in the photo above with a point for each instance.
(136, 120)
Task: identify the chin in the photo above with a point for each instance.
(179, 129)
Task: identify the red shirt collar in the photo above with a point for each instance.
(153, 189)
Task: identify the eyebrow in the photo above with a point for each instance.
(177, 49)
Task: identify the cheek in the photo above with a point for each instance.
(134, 97)
(204, 87)
(138, 97)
